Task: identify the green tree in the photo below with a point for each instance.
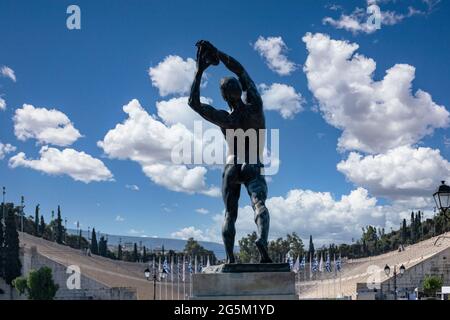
(36, 221)
(39, 285)
(94, 244)
(248, 252)
(404, 232)
(295, 244)
(310, 248)
(12, 267)
(103, 247)
(135, 253)
(431, 284)
(144, 254)
(412, 228)
(59, 227)
(42, 227)
(278, 249)
(193, 248)
(119, 252)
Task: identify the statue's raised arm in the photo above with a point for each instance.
(209, 113)
(247, 83)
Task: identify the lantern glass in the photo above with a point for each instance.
(147, 273)
(444, 199)
(387, 270)
(402, 269)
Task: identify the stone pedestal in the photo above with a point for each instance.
(245, 282)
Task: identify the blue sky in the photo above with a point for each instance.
(90, 74)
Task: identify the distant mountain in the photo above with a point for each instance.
(157, 243)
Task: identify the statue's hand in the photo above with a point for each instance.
(202, 64)
(207, 52)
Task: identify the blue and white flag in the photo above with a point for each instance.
(296, 266)
(303, 263)
(191, 270)
(291, 262)
(338, 264)
(166, 268)
(321, 263)
(315, 264)
(328, 263)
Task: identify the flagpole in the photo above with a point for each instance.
(184, 277)
(165, 279)
(178, 278)
(190, 277)
(160, 284)
(171, 275)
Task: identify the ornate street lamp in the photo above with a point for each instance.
(387, 271)
(442, 199)
(147, 275)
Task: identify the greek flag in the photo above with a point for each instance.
(339, 264)
(296, 266)
(303, 263)
(166, 268)
(315, 264)
(328, 263)
(291, 262)
(321, 263)
(191, 270)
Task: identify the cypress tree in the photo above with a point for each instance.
(119, 252)
(59, 227)
(42, 227)
(404, 231)
(36, 221)
(13, 266)
(413, 223)
(135, 253)
(144, 255)
(94, 244)
(103, 247)
(79, 240)
(311, 248)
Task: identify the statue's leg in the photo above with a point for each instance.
(231, 191)
(257, 190)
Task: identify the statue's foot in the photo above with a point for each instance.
(231, 260)
(263, 252)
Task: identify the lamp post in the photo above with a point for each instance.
(147, 275)
(387, 271)
(442, 199)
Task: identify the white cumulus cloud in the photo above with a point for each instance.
(273, 50)
(359, 21)
(190, 232)
(173, 75)
(5, 149)
(132, 187)
(375, 116)
(47, 126)
(119, 218)
(148, 141)
(399, 173)
(282, 98)
(78, 165)
(177, 110)
(8, 73)
(2, 104)
(202, 211)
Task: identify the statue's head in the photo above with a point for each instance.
(231, 90)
